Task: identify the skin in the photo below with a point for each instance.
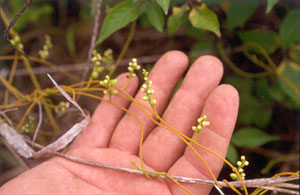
(113, 138)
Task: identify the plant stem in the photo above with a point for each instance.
(124, 49)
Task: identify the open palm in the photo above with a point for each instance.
(113, 138)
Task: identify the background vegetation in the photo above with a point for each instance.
(258, 42)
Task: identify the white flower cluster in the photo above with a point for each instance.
(146, 89)
(202, 122)
(241, 164)
(108, 83)
(44, 53)
(132, 66)
(96, 60)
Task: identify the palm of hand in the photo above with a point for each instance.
(112, 138)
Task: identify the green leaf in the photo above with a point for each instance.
(269, 40)
(242, 84)
(270, 6)
(176, 19)
(240, 11)
(294, 53)
(144, 21)
(155, 16)
(212, 2)
(276, 93)
(252, 109)
(289, 80)
(290, 29)
(119, 16)
(262, 90)
(164, 4)
(70, 39)
(203, 18)
(251, 137)
(200, 48)
(232, 154)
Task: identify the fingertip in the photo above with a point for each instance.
(176, 55)
(176, 58)
(222, 109)
(211, 63)
(228, 93)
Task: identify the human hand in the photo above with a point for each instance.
(113, 138)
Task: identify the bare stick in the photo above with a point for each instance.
(68, 97)
(73, 67)
(219, 190)
(39, 123)
(12, 23)
(254, 183)
(3, 113)
(96, 31)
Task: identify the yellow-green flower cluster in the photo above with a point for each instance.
(96, 60)
(241, 164)
(28, 126)
(16, 41)
(108, 57)
(44, 53)
(132, 66)
(108, 83)
(62, 106)
(146, 89)
(202, 122)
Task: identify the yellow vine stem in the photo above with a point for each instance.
(12, 89)
(256, 61)
(288, 82)
(6, 22)
(47, 63)
(15, 105)
(237, 69)
(184, 138)
(126, 84)
(27, 112)
(84, 83)
(257, 190)
(11, 77)
(32, 75)
(41, 61)
(127, 111)
(263, 52)
(38, 87)
(124, 49)
(232, 187)
(2, 121)
(176, 132)
(64, 87)
(161, 173)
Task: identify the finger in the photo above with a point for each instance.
(164, 77)
(221, 110)
(106, 117)
(182, 113)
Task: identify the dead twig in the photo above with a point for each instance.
(95, 34)
(39, 123)
(12, 23)
(73, 67)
